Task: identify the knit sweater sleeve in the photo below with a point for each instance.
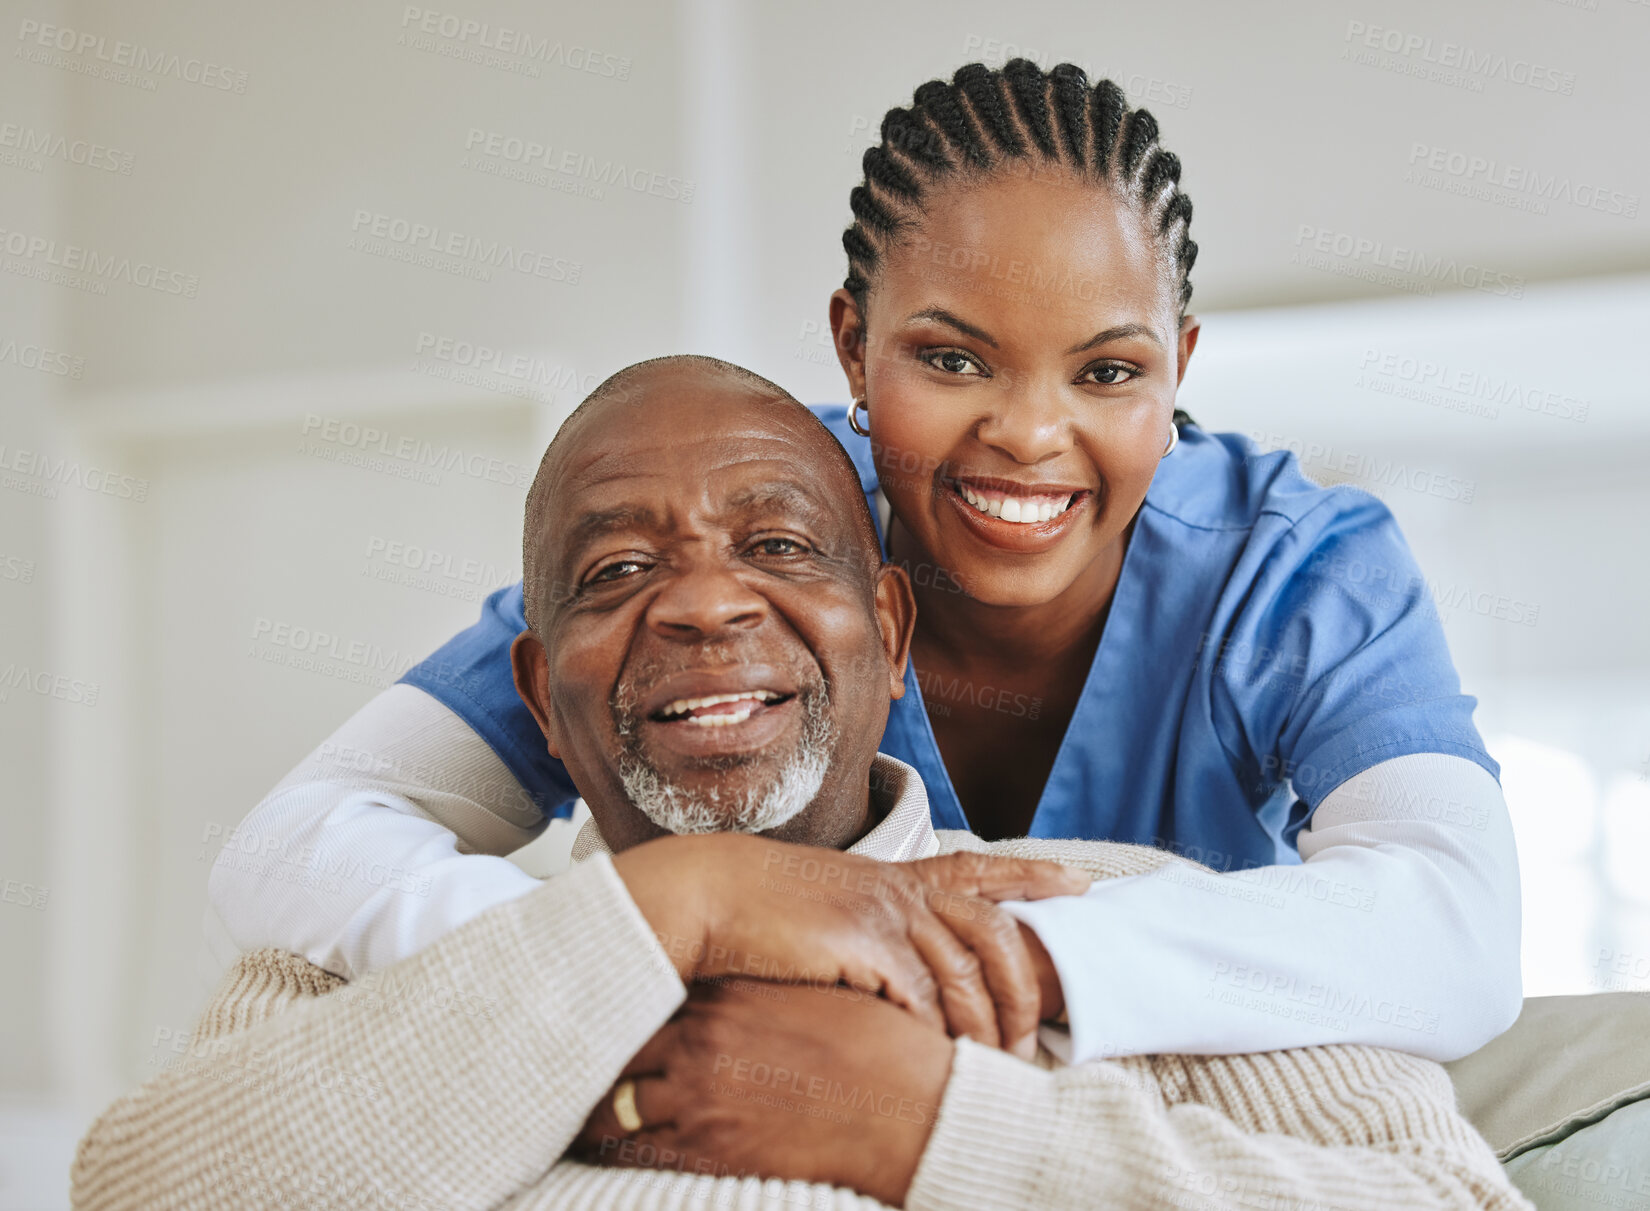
(1343, 1127)
(452, 1079)
(1349, 1128)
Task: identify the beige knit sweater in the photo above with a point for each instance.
(458, 1077)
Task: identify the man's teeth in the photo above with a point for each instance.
(719, 720)
(683, 707)
(1014, 508)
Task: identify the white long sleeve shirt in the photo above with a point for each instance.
(1400, 928)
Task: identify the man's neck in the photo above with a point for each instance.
(839, 815)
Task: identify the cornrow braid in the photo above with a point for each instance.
(1029, 88)
(982, 120)
(1107, 109)
(938, 102)
(1071, 99)
(984, 90)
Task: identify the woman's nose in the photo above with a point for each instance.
(1027, 423)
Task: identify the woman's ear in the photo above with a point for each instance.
(848, 332)
(896, 618)
(1190, 326)
(530, 665)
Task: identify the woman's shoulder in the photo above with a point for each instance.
(1226, 482)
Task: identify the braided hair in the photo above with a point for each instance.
(985, 119)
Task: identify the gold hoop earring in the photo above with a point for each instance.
(1174, 440)
(853, 417)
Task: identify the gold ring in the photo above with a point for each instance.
(624, 1106)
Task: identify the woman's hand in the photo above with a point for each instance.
(927, 935)
(794, 1082)
(964, 874)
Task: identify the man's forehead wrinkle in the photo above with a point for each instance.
(636, 494)
(600, 466)
(719, 450)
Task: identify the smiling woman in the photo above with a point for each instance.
(1013, 332)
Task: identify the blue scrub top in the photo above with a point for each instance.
(1268, 640)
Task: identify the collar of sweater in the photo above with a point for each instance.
(903, 834)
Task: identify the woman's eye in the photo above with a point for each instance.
(617, 570)
(1110, 375)
(953, 362)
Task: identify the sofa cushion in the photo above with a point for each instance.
(1603, 1165)
(1566, 1063)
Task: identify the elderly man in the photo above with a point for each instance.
(714, 643)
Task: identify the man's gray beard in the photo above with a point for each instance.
(756, 809)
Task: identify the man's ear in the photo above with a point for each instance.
(848, 332)
(1190, 326)
(530, 665)
(896, 618)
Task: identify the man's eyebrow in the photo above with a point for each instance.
(941, 316)
(780, 493)
(1112, 334)
(593, 525)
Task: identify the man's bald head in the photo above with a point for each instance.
(666, 394)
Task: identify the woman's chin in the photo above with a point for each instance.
(1011, 588)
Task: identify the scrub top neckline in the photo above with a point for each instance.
(1089, 704)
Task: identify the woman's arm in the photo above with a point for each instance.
(378, 843)
(1400, 929)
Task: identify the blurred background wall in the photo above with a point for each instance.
(260, 449)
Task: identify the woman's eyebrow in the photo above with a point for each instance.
(1112, 334)
(942, 316)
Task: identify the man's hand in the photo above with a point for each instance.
(927, 935)
(799, 1083)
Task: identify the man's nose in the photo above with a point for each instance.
(1028, 422)
(703, 598)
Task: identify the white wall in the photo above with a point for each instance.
(763, 109)
(29, 320)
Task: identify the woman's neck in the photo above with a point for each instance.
(959, 628)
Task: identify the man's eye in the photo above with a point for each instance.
(617, 570)
(777, 546)
(953, 361)
(1110, 375)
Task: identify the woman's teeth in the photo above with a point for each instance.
(685, 709)
(1014, 508)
